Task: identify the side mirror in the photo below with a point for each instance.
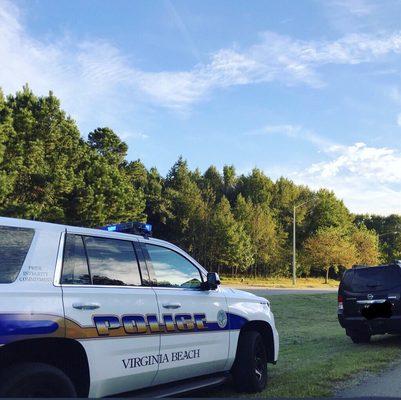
(213, 280)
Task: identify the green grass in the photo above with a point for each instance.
(315, 354)
(302, 283)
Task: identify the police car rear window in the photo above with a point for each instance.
(14, 246)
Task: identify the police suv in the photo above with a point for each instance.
(90, 312)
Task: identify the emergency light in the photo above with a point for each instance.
(136, 228)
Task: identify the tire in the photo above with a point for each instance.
(35, 380)
(360, 337)
(249, 371)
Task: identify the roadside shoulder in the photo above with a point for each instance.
(385, 383)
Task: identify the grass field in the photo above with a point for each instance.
(302, 283)
(315, 355)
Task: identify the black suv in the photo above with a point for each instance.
(369, 301)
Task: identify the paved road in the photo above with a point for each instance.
(273, 291)
(387, 384)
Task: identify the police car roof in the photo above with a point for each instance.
(48, 226)
(58, 228)
(26, 223)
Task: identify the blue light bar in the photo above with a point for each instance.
(136, 228)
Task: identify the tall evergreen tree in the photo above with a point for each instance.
(158, 205)
(256, 186)
(188, 208)
(105, 194)
(229, 182)
(7, 173)
(53, 174)
(42, 151)
(230, 248)
(213, 180)
(107, 144)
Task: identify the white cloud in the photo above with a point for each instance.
(359, 8)
(368, 179)
(294, 132)
(133, 135)
(87, 76)
(379, 163)
(96, 70)
(285, 129)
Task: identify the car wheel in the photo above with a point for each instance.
(250, 367)
(35, 380)
(360, 337)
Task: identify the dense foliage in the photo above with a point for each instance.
(234, 224)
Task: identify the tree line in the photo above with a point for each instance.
(234, 224)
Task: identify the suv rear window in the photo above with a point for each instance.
(372, 278)
(14, 246)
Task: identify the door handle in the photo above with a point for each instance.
(86, 306)
(171, 305)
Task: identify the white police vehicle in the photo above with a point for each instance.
(88, 312)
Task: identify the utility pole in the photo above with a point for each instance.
(294, 262)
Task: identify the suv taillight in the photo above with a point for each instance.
(340, 302)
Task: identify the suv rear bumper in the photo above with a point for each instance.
(373, 326)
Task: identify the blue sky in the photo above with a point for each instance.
(306, 89)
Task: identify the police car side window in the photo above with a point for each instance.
(75, 266)
(14, 246)
(171, 269)
(112, 262)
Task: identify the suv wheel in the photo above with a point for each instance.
(250, 367)
(35, 380)
(360, 337)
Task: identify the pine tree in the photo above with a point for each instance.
(230, 245)
(41, 155)
(105, 142)
(184, 197)
(257, 187)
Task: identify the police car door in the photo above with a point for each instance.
(105, 305)
(192, 342)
